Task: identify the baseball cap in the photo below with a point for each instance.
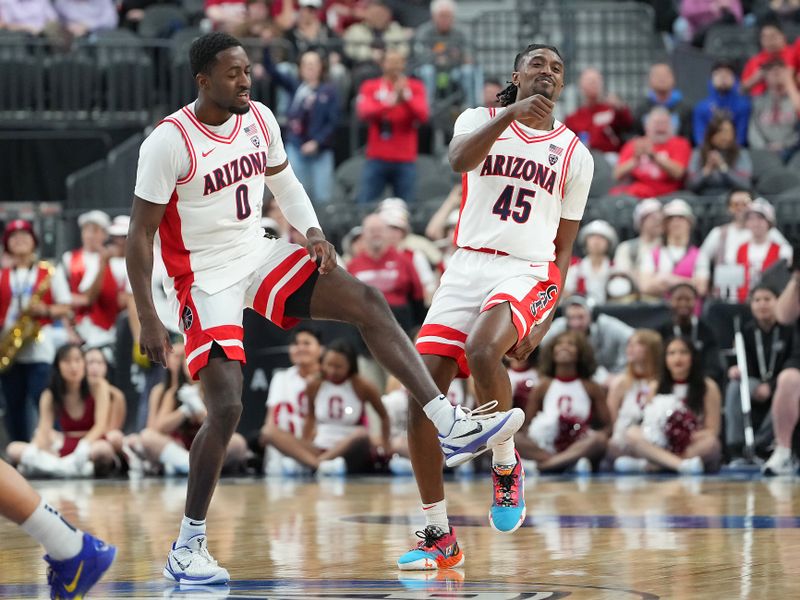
(119, 226)
(762, 207)
(678, 208)
(601, 228)
(644, 209)
(310, 3)
(395, 217)
(18, 225)
(98, 217)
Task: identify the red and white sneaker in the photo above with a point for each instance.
(436, 550)
(508, 500)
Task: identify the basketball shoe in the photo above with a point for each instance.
(436, 550)
(192, 564)
(73, 577)
(478, 431)
(507, 512)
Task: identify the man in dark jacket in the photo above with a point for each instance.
(723, 95)
(662, 92)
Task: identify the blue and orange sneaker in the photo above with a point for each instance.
(72, 578)
(437, 550)
(508, 502)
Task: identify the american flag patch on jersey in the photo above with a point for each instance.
(555, 152)
(252, 131)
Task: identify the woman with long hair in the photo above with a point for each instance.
(630, 393)
(174, 416)
(97, 371)
(681, 424)
(720, 164)
(81, 408)
(566, 421)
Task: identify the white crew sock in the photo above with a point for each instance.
(436, 515)
(503, 454)
(189, 529)
(442, 414)
(176, 457)
(60, 539)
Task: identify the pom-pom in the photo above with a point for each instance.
(570, 430)
(679, 428)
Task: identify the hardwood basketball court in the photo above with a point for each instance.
(734, 536)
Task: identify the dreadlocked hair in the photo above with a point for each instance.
(203, 51)
(509, 94)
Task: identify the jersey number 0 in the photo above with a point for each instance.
(243, 209)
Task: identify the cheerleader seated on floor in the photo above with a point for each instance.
(566, 420)
(681, 424)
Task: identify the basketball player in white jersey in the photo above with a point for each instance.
(198, 196)
(525, 180)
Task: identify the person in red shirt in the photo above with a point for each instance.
(773, 46)
(391, 272)
(393, 105)
(656, 163)
(600, 121)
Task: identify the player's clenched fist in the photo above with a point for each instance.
(534, 107)
(321, 250)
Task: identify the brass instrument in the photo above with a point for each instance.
(26, 328)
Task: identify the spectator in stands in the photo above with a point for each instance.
(662, 92)
(698, 16)
(227, 15)
(24, 378)
(654, 164)
(311, 120)
(352, 243)
(444, 51)
(681, 425)
(602, 120)
(720, 164)
(567, 423)
(774, 49)
(683, 322)
(723, 96)
(81, 17)
(98, 292)
(770, 348)
(491, 88)
(760, 252)
(310, 31)
(672, 263)
(396, 210)
(131, 12)
(589, 275)
(383, 267)
(341, 14)
(774, 120)
(786, 400)
(393, 106)
(31, 16)
(607, 335)
(377, 26)
(648, 220)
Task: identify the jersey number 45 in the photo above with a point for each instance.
(521, 209)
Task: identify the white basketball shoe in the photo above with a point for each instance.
(192, 564)
(478, 431)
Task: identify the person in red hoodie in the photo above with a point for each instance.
(393, 106)
(601, 120)
(773, 46)
(383, 267)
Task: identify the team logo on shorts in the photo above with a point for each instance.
(555, 152)
(187, 318)
(544, 298)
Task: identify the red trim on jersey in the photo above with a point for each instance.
(261, 122)
(189, 147)
(287, 289)
(528, 139)
(442, 331)
(486, 250)
(173, 249)
(208, 133)
(492, 111)
(567, 158)
(464, 186)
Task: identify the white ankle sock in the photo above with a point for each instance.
(176, 457)
(60, 539)
(503, 453)
(782, 453)
(436, 515)
(189, 529)
(442, 413)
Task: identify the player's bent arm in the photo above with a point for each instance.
(145, 219)
(291, 197)
(468, 150)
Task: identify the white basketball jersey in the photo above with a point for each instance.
(568, 399)
(337, 409)
(211, 232)
(514, 200)
(631, 411)
(288, 398)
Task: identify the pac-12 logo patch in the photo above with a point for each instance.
(544, 298)
(555, 152)
(187, 318)
(256, 141)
